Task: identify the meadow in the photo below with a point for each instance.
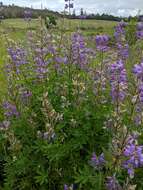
(71, 113)
(16, 29)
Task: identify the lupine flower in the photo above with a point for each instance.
(26, 94)
(138, 71)
(120, 31)
(134, 154)
(71, 187)
(140, 26)
(123, 50)
(41, 63)
(10, 110)
(141, 92)
(27, 15)
(80, 53)
(122, 46)
(102, 42)
(140, 35)
(66, 6)
(97, 162)
(18, 57)
(66, 187)
(69, 4)
(112, 184)
(49, 136)
(82, 17)
(139, 32)
(41, 67)
(118, 81)
(61, 59)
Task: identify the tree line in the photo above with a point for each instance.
(13, 11)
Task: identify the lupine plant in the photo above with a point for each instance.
(73, 115)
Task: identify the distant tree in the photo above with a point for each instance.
(74, 13)
(81, 12)
(1, 4)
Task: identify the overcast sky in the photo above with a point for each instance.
(115, 7)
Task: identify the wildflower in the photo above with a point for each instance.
(134, 154)
(69, 4)
(18, 57)
(140, 26)
(102, 42)
(71, 187)
(79, 55)
(120, 31)
(61, 59)
(66, 187)
(123, 50)
(41, 67)
(118, 81)
(139, 32)
(140, 35)
(27, 15)
(26, 94)
(82, 17)
(112, 184)
(138, 71)
(97, 162)
(66, 6)
(10, 110)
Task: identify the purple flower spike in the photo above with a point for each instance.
(27, 15)
(10, 110)
(80, 54)
(134, 155)
(97, 162)
(66, 187)
(102, 42)
(112, 184)
(139, 32)
(120, 31)
(118, 81)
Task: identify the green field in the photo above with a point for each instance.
(11, 25)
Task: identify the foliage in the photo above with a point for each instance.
(72, 117)
(50, 21)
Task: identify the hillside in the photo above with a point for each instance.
(12, 11)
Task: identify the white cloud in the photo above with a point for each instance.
(116, 7)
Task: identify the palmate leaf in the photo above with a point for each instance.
(42, 177)
(86, 177)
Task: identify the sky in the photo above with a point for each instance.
(115, 7)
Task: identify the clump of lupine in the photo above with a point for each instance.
(72, 118)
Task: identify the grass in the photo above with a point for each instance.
(91, 25)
